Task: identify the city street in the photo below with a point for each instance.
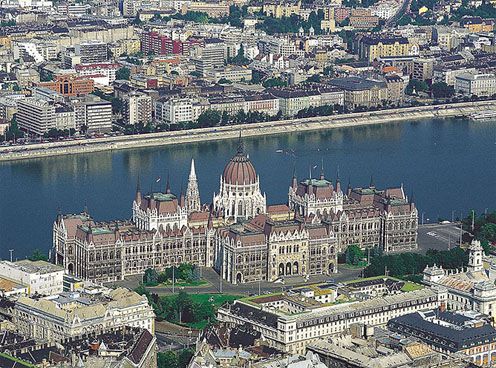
(438, 236)
(216, 286)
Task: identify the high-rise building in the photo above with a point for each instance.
(137, 108)
(92, 112)
(92, 52)
(35, 116)
(211, 56)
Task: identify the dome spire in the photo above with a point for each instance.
(241, 145)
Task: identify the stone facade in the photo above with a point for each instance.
(238, 234)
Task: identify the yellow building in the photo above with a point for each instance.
(278, 10)
(371, 48)
(477, 24)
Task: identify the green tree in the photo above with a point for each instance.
(487, 232)
(150, 277)
(167, 359)
(274, 82)
(354, 255)
(442, 90)
(184, 357)
(38, 255)
(418, 85)
(123, 73)
(209, 118)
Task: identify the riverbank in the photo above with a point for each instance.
(40, 150)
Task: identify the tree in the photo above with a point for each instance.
(442, 90)
(487, 232)
(167, 359)
(417, 85)
(38, 255)
(117, 105)
(150, 277)
(209, 118)
(354, 255)
(224, 81)
(123, 73)
(274, 82)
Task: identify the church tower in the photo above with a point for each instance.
(475, 256)
(192, 192)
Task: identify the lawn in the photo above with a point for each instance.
(185, 284)
(217, 299)
(410, 286)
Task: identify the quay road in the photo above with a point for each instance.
(430, 236)
(38, 150)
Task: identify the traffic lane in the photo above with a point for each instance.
(438, 236)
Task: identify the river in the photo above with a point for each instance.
(449, 165)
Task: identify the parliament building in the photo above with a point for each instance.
(238, 234)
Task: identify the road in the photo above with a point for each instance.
(404, 114)
(438, 236)
(215, 285)
(403, 9)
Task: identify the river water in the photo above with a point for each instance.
(449, 165)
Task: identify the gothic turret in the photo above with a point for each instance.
(192, 192)
(137, 198)
(475, 256)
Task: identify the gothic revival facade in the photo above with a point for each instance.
(238, 234)
(368, 217)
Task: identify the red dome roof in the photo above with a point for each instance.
(239, 170)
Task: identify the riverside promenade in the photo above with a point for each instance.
(408, 114)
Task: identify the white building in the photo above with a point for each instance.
(470, 289)
(107, 70)
(290, 323)
(93, 113)
(138, 108)
(174, 110)
(40, 277)
(35, 116)
(68, 315)
(385, 10)
(476, 84)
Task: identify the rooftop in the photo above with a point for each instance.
(38, 267)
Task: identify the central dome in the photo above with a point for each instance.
(240, 170)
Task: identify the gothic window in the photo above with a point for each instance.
(98, 257)
(69, 250)
(92, 257)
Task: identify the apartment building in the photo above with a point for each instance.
(174, 110)
(92, 51)
(475, 84)
(423, 69)
(448, 74)
(292, 101)
(35, 116)
(93, 113)
(289, 322)
(106, 70)
(39, 277)
(371, 47)
(69, 315)
(137, 108)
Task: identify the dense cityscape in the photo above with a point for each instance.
(320, 271)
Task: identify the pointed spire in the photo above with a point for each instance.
(338, 181)
(182, 201)
(322, 169)
(348, 189)
(294, 180)
(241, 146)
(192, 172)
(371, 185)
(167, 187)
(137, 198)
